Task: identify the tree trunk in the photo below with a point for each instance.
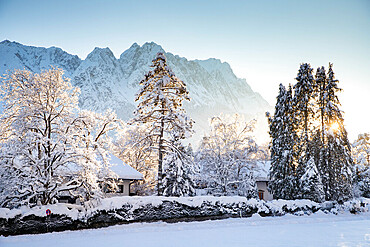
(160, 154)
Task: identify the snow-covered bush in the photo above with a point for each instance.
(118, 210)
(228, 156)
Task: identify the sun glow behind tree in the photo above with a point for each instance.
(322, 151)
(334, 126)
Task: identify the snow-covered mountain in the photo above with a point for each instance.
(17, 56)
(108, 82)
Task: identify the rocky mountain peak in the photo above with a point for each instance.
(146, 51)
(6, 42)
(152, 47)
(104, 55)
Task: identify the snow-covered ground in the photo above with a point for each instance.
(318, 229)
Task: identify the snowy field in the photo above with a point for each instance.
(316, 230)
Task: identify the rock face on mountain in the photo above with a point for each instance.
(17, 56)
(108, 82)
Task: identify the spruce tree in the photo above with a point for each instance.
(321, 99)
(179, 173)
(304, 115)
(318, 139)
(160, 104)
(282, 172)
(311, 184)
(337, 171)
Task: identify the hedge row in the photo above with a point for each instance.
(123, 210)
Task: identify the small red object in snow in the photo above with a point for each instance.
(48, 212)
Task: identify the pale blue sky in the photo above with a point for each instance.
(263, 41)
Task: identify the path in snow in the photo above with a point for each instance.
(315, 230)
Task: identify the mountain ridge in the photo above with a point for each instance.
(110, 82)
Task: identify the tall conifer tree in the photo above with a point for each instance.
(337, 171)
(304, 114)
(282, 172)
(321, 99)
(319, 139)
(160, 104)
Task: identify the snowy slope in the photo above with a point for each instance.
(108, 82)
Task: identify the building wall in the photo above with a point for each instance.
(262, 188)
(126, 189)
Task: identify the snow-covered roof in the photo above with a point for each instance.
(123, 170)
(262, 171)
